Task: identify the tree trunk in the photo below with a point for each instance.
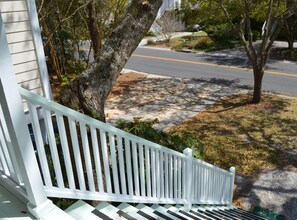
(51, 51)
(291, 44)
(290, 37)
(95, 35)
(258, 77)
(89, 91)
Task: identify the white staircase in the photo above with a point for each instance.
(106, 211)
(84, 159)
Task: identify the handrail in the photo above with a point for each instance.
(16, 143)
(87, 159)
(58, 108)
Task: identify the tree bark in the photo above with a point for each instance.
(258, 55)
(291, 44)
(89, 91)
(95, 35)
(54, 60)
(258, 77)
(290, 33)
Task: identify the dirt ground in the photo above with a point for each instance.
(124, 81)
(170, 100)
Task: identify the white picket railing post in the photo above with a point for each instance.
(15, 120)
(33, 17)
(232, 170)
(189, 178)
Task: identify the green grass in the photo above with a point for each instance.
(200, 34)
(250, 137)
(198, 41)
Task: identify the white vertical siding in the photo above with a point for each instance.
(21, 44)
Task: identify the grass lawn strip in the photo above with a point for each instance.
(250, 137)
(198, 41)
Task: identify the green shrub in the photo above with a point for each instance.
(150, 33)
(67, 78)
(178, 47)
(256, 35)
(221, 32)
(189, 44)
(151, 42)
(203, 43)
(175, 140)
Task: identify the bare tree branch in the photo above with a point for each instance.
(64, 19)
(258, 54)
(41, 6)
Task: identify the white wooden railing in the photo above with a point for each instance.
(19, 171)
(86, 159)
(8, 163)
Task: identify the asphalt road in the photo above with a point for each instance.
(280, 76)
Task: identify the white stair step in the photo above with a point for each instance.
(199, 214)
(208, 211)
(163, 211)
(210, 208)
(58, 214)
(131, 211)
(182, 210)
(81, 211)
(148, 210)
(215, 210)
(176, 211)
(192, 215)
(227, 214)
(225, 207)
(234, 214)
(109, 210)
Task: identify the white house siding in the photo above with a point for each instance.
(22, 45)
(169, 5)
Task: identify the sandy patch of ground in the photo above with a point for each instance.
(124, 81)
(171, 100)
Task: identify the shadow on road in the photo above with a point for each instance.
(233, 57)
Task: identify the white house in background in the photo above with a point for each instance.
(169, 5)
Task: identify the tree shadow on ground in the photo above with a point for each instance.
(230, 58)
(171, 100)
(290, 208)
(275, 191)
(255, 136)
(260, 129)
